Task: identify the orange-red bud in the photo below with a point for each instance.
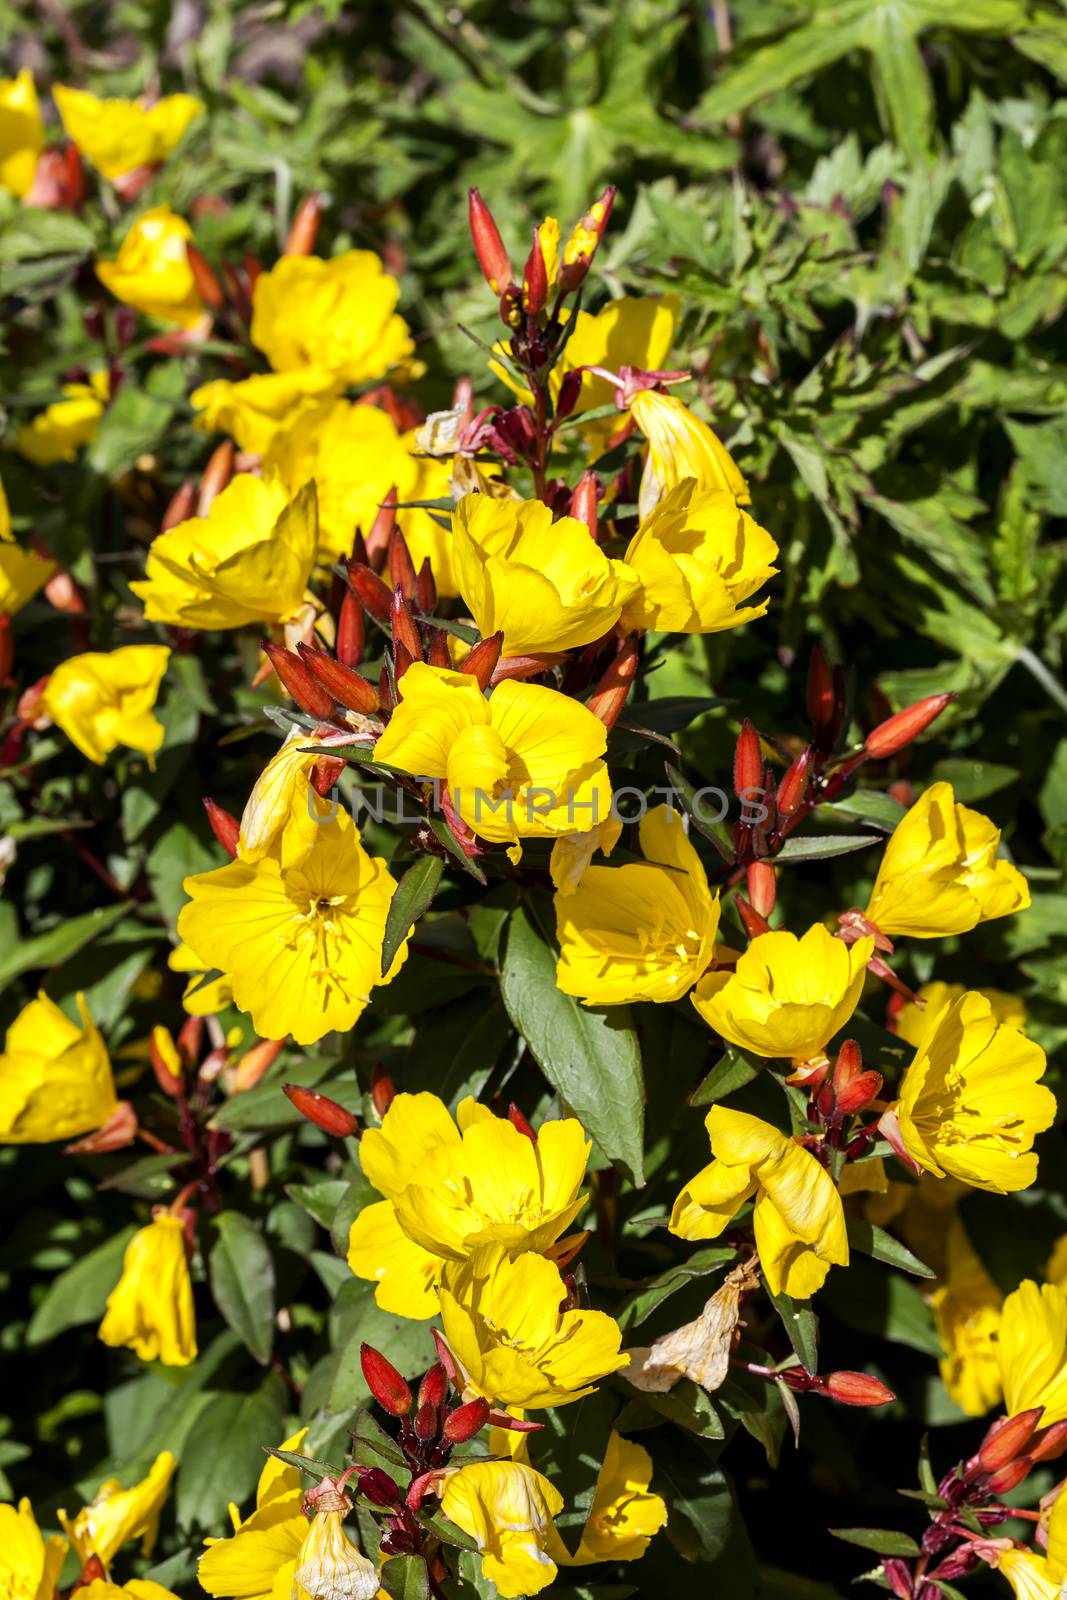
(405, 630)
(373, 595)
(748, 762)
(160, 1046)
(753, 922)
(385, 1383)
(321, 1110)
(344, 685)
(1049, 1444)
(535, 278)
(857, 1094)
(401, 566)
(351, 631)
(594, 222)
(1007, 1438)
(255, 1064)
(425, 1422)
(208, 286)
(224, 826)
(584, 501)
(481, 661)
(301, 240)
(899, 730)
(488, 245)
(519, 1121)
(1008, 1477)
(437, 653)
(425, 589)
(326, 774)
(794, 785)
(382, 1089)
(762, 887)
(433, 1390)
(215, 477)
(858, 1389)
(381, 531)
(609, 696)
(463, 1423)
(306, 690)
(180, 507)
(402, 660)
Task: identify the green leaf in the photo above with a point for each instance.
(874, 1241)
(716, 832)
(591, 1056)
(132, 426)
(821, 846)
(414, 893)
(241, 1272)
(801, 1326)
(726, 1076)
(406, 1578)
(883, 1541)
(224, 1452)
(59, 943)
(80, 1294)
(314, 1469)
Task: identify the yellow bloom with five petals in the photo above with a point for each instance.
(546, 585)
(150, 1309)
(970, 1102)
(258, 1560)
(55, 1078)
(507, 1509)
(680, 446)
(941, 874)
(643, 931)
(58, 432)
(911, 1020)
(338, 316)
(116, 135)
(526, 763)
(21, 133)
(787, 996)
(1032, 1351)
(104, 699)
(117, 1515)
(247, 561)
(798, 1218)
(30, 1562)
(151, 272)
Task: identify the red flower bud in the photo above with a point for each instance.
(437, 653)
(378, 1487)
(180, 506)
(402, 660)
(208, 286)
(820, 692)
(426, 1422)
(425, 589)
(1049, 1444)
(748, 762)
(385, 1383)
(587, 235)
(502, 1419)
(762, 887)
(224, 826)
(482, 659)
(405, 631)
(794, 785)
(351, 631)
(341, 683)
(382, 1089)
(584, 501)
(301, 240)
(569, 390)
(433, 1390)
(92, 1572)
(167, 1068)
(308, 693)
(321, 1110)
(255, 1064)
(517, 1120)
(754, 923)
(215, 477)
(488, 245)
(1007, 1438)
(535, 278)
(463, 1423)
(897, 1574)
(401, 566)
(326, 775)
(1008, 1477)
(373, 595)
(849, 1065)
(859, 1093)
(381, 531)
(609, 696)
(893, 734)
(857, 1389)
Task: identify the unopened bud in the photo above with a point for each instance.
(301, 240)
(379, 1488)
(180, 506)
(858, 1389)
(1049, 1444)
(382, 1089)
(385, 1383)
(463, 1423)
(569, 390)
(858, 1094)
(897, 1574)
(93, 1571)
(402, 660)
(326, 775)
(373, 595)
(351, 631)
(898, 731)
(535, 278)
(609, 696)
(208, 286)
(581, 247)
(341, 683)
(748, 762)
(425, 589)
(321, 1110)
(405, 630)
(437, 653)
(488, 245)
(754, 924)
(381, 531)
(433, 1390)
(482, 659)
(426, 1422)
(166, 1061)
(762, 883)
(1008, 1477)
(794, 785)
(224, 826)
(215, 477)
(305, 689)
(1007, 1438)
(255, 1064)
(401, 566)
(584, 501)
(519, 1121)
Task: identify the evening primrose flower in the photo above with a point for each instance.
(55, 1077)
(911, 1020)
(247, 561)
(151, 271)
(525, 763)
(274, 820)
(1033, 1576)
(680, 446)
(546, 585)
(786, 996)
(640, 931)
(115, 136)
(255, 410)
(966, 1308)
(503, 1325)
(1032, 1351)
(338, 316)
(697, 556)
(21, 133)
(101, 700)
(22, 574)
(624, 1515)
(970, 1102)
(58, 432)
(329, 1567)
(940, 873)
(132, 1589)
(30, 1563)
(302, 945)
(200, 999)
(150, 1309)
(117, 1515)
(507, 1509)
(798, 1218)
(258, 1560)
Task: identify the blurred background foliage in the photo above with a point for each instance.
(862, 209)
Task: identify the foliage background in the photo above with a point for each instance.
(863, 208)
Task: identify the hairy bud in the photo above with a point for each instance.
(306, 690)
(481, 660)
(433, 1390)
(351, 631)
(373, 595)
(385, 1383)
(463, 1423)
(535, 278)
(748, 762)
(858, 1389)
(341, 683)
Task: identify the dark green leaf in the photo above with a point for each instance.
(414, 893)
(242, 1282)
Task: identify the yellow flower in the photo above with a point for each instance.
(22, 573)
(21, 133)
(787, 996)
(1033, 1576)
(58, 432)
(151, 271)
(572, 854)
(277, 813)
(150, 1309)
(301, 946)
(639, 932)
(680, 446)
(970, 1104)
(117, 1515)
(132, 1589)
(507, 1509)
(1032, 1350)
(200, 999)
(799, 1220)
(503, 1324)
(258, 1560)
(329, 1567)
(55, 1078)
(966, 1311)
(547, 585)
(339, 316)
(525, 763)
(103, 700)
(29, 1562)
(697, 555)
(116, 136)
(247, 561)
(1056, 1265)
(940, 873)
(911, 1021)
(256, 409)
(624, 1514)
(450, 1189)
